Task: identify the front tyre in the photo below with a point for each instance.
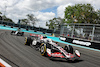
(69, 49)
(43, 49)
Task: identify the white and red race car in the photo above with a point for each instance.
(17, 33)
(51, 49)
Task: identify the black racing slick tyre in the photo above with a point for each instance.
(43, 49)
(22, 33)
(11, 32)
(27, 41)
(69, 49)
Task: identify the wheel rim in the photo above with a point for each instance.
(42, 49)
(25, 40)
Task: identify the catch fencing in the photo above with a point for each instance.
(27, 27)
(89, 32)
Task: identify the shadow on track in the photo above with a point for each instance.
(68, 61)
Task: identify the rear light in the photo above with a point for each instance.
(22, 32)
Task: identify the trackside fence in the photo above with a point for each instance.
(89, 32)
(4, 23)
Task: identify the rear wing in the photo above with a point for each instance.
(37, 35)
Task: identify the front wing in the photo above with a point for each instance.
(68, 56)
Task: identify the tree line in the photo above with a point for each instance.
(4, 18)
(79, 13)
(30, 20)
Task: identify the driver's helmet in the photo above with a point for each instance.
(49, 40)
(44, 36)
(18, 29)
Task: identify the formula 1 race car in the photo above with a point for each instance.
(17, 33)
(51, 49)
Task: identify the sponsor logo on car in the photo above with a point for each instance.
(57, 54)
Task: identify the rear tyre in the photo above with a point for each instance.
(27, 41)
(69, 49)
(11, 32)
(21, 34)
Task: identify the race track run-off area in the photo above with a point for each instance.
(15, 53)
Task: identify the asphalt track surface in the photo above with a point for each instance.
(15, 53)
